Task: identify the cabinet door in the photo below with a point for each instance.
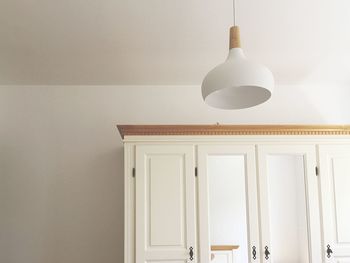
(289, 210)
(165, 204)
(228, 212)
(335, 195)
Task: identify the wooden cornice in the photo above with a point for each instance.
(141, 130)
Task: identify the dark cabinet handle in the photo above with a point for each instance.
(254, 252)
(191, 253)
(267, 253)
(329, 251)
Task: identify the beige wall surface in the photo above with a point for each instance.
(61, 158)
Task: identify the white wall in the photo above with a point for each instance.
(61, 162)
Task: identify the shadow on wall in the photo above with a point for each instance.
(89, 210)
(58, 209)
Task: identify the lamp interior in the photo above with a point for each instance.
(238, 97)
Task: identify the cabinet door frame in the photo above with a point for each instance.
(141, 153)
(327, 186)
(252, 214)
(311, 194)
(129, 204)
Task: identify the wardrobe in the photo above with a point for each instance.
(280, 193)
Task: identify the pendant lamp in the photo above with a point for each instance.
(237, 83)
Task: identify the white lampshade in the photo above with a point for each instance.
(237, 83)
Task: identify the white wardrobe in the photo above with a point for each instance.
(280, 193)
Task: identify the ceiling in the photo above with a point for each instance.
(153, 42)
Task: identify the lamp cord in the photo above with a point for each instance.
(234, 12)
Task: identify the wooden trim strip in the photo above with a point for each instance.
(223, 247)
(141, 130)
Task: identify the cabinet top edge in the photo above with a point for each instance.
(218, 129)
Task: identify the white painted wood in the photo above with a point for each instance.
(224, 256)
(332, 153)
(287, 208)
(240, 139)
(248, 151)
(268, 204)
(165, 203)
(129, 205)
(335, 195)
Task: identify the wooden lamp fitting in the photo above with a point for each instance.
(235, 40)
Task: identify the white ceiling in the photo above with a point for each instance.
(89, 42)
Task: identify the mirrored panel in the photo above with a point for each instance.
(227, 203)
(287, 209)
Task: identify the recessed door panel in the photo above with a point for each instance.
(166, 207)
(228, 202)
(341, 195)
(287, 208)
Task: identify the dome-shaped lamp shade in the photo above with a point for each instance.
(237, 83)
